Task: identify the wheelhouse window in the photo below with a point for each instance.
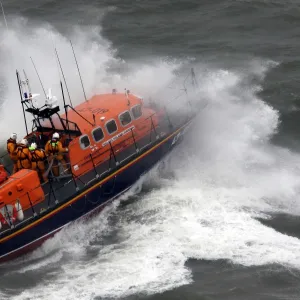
(125, 118)
(111, 126)
(84, 142)
(98, 134)
(136, 111)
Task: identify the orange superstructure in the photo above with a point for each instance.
(105, 121)
(105, 125)
(104, 105)
(74, 161)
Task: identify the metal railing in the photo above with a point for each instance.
(61, 189)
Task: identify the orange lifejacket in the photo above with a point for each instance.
(24, 157)
(55, 148)
(11, 149)
(37, 160)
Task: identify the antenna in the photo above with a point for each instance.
(63, 77)
(3, 15)
(78, 70)
(65, 106)
(185, 90)
(194, 80)
(38, 76)
(28, 85)
(22, 102)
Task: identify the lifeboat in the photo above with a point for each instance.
(110, 141)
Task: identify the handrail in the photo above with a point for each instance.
(77, 183)
(111, 150)
(80, 115)
(6, 155)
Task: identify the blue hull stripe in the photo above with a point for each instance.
(88, 201)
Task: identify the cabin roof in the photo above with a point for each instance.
(104, 105)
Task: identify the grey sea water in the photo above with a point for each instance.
(222, 220)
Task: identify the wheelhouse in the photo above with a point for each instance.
(105, 122)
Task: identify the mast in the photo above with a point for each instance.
(29, 95)
(78, 70)
(194, 80)
(65, 106)
(63, 77)
(38, 77)
(22, 102)
(3, 15)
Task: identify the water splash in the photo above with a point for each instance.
(100, 68)
(227, 176)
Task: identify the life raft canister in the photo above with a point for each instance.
(11, 213)
(3, 174)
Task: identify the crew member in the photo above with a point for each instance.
(24, 155)
(37, 161)
(55, 148)
(11, 149)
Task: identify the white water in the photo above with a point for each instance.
(227, 175)
(100, 68)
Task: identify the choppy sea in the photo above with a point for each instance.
(222, 220)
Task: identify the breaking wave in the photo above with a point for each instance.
(225, 176)
(101, 68)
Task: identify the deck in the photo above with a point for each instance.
(59, 189)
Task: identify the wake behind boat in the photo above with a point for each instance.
(107, 143)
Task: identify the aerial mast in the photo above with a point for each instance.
(63, 76)
(65, 107)
(22, 101)
(194, 80)
(38, 77)
(78, 70)
(3, 15)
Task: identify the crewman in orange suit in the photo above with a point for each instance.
(55, 148)
(38, 161)
(24, 155)
(11, 149)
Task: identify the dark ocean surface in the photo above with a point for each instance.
(222, 220)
